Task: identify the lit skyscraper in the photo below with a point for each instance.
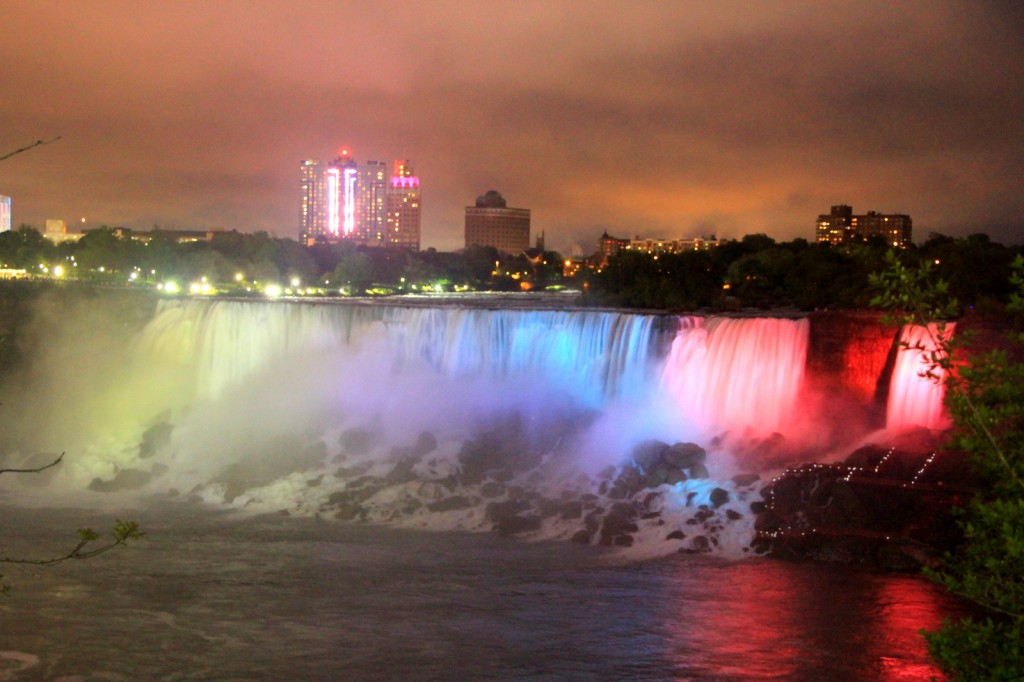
(346, 200)
(340, 197)
(370, 206)
(5, 213)
(311, 218)
(403, 214)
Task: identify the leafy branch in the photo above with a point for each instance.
(912, 297)
(122, 533)
(986, 401)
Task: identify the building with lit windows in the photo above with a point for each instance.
(359, 202)
(841, 226)
(371, 202)
(608, 246)
(312, 223)
(492, 223)
(5, 213)
(403, 208)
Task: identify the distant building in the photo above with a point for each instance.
(608, 246)
(371, 202)
(57, 231)
(492, 223)
(348, 200)
(5, 213)
(146, 236)
(340, 197)
(403, 208)
(841, 226)
(311, 219)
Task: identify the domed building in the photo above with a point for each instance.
(492, 223)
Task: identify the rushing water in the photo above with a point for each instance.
(217, 596)
(256, 398)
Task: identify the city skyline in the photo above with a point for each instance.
(666, 120)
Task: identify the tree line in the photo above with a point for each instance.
(756, 271)
(753, 272)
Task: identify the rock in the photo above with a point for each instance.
(733, 515)
(491, 489)
(676, 535)
(606, 474)
(698, 545)
(352, 472)
(451, 504)
(684, 455)
(698, 470)
(402, 473)
(617, 492)
(648, 453)
(719, 497)
(623, 541)
(431, 490)
(619, 520)
(581, 537)
(154, 439)
(745, 479)
(358, 441)
(426, 443)
(513, 525)
(758, 507)
(126, 479)
(675, 476)
(654, 502)
(496, 511)
(573, 509)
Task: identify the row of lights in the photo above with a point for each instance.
(793, 531)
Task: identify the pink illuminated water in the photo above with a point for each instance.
(738, 373)
(916, 400)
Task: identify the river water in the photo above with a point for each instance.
(212, 595)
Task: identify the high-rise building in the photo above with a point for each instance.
(491, 223)
(346, 200)
(5, 213)
(841, 226)
(340, 197)
(403, 208)
(311, 219)
(371, 202)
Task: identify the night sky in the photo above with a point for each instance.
(660, 119)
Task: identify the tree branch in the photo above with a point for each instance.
(37, 143)
(34, 471)
(123, 532)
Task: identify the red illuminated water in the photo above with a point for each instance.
(916, 400)
(738, 373)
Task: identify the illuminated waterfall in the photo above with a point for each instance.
(738, 373)
(916, 400)
(592, 356)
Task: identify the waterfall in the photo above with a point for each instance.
(916, 400)
(738, 373)
(592, 356)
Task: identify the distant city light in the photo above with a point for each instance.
(350, 201)
(295, 282)
(333, 209)
(272, 290)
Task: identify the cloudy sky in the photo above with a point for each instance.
(659, 119)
